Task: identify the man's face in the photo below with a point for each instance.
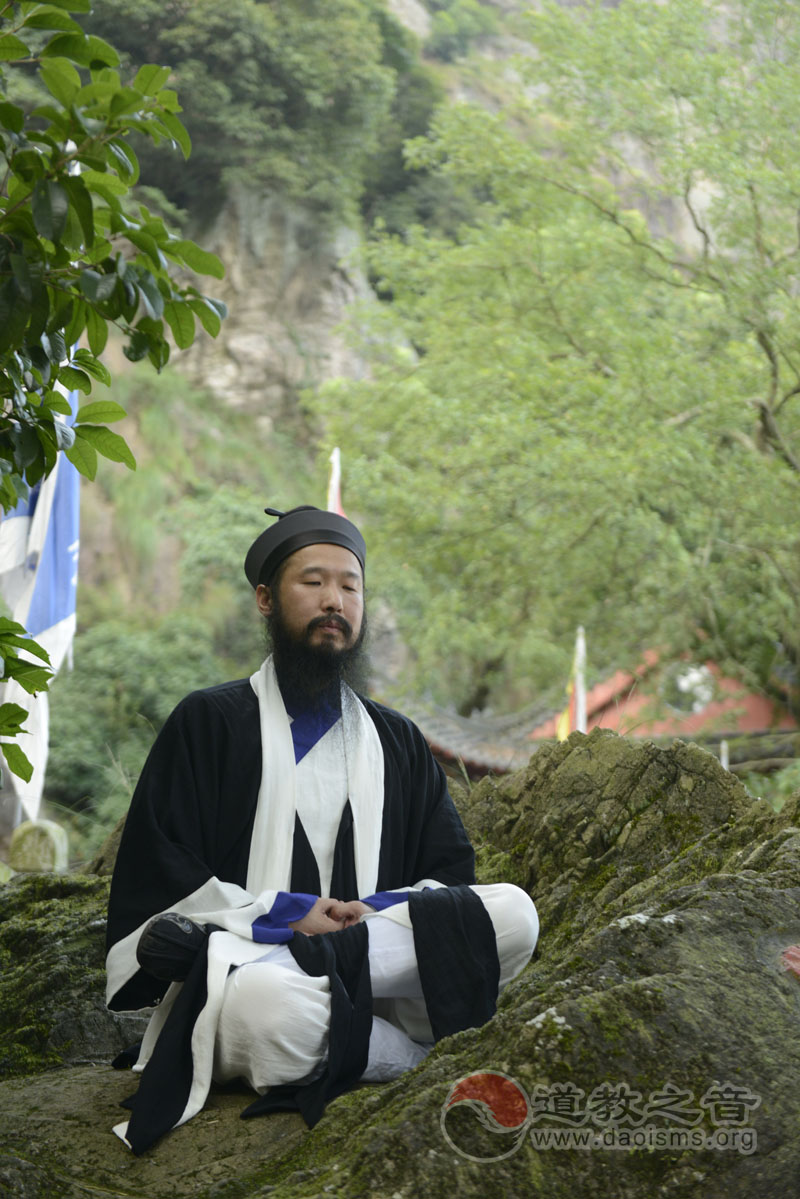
(320, 597)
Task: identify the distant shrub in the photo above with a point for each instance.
(456, 25)
(106, 712)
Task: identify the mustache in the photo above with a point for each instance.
(339, 621)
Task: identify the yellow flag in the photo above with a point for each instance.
(566, 719)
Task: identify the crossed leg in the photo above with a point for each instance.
(273, 1027)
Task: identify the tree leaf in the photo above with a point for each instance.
(151, 296)
(11, 117)
(81, 200)
(100, 411)
(96, 331)
(138, 346)
(82, 49)
(199, 260)
(207, 315)
(179, 317)
(103, 179)
(83, 456)
(19, 266)
(56, 402)
(23, 640)
(40, 304)
(11, 717)
(101, 51)
(17, 762)
(65, 434)
(148, 245)
(126, 160)
(150, 78)
(48, 17)
(168, 99)
(26, 446)
(58, 344)
(97, 286)
(74, 380)
(86, 361)
(127, 100)
(75, 325)
(61, 79)
(10, 628)
(31, 678)
(108, 443)
(12, 48)
(50, 205)
(177, 132)
(159, 354)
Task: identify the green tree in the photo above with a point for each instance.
(691, 110)
(574, 417)
(294, 96)
(106, 712)
(75, 260)
(456, 25)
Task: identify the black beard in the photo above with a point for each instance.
(311, 675)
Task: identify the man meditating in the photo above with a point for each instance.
(324, 924)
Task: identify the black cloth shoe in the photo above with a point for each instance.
(169, 945)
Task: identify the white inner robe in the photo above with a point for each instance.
(321, 790)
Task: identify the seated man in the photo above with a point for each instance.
(309, 831)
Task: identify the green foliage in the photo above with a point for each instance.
(391, 192)
(572, 417)
(31, 676)
(180, 526)
(72, 261)
(106, 712)
(292, 96)
(777, 787)
(215, 540)
(175, 537)
(456, 25)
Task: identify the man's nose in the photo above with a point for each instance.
(332, 598)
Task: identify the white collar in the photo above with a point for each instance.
(270, 862)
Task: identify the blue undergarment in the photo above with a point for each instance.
(310, 726)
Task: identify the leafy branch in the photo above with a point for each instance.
(75, 260)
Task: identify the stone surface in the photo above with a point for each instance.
(103, 863)
(52, 975)
(412, 14)
(668, 899)
(56, 1141)
(289, 283)
(39, 845)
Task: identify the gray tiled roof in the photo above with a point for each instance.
(481, 742)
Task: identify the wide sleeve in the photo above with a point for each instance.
(424, 842)
(186, 838)
(444, 854)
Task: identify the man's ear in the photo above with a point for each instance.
(264, 599)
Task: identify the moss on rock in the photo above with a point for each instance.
(52, 975)
(666, 896)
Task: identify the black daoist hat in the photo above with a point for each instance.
(292, 531)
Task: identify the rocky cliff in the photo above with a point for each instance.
(290, 279)
(656, 1025)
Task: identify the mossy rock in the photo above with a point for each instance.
(667, 896)
(52, 975)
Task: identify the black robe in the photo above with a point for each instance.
(192, 814)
